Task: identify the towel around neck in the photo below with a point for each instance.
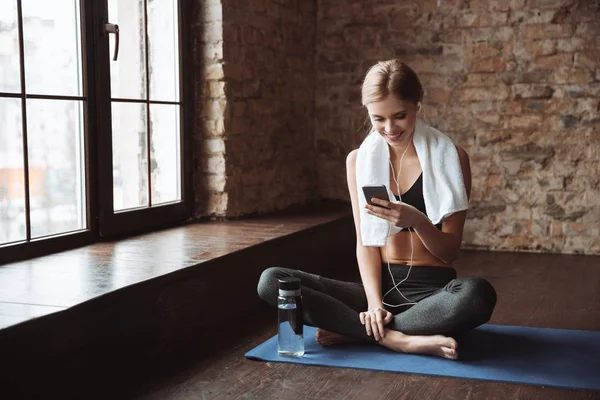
(443, 183)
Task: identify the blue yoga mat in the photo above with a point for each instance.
(537, 356)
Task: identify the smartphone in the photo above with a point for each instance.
(379, 192)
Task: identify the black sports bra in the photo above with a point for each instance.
(414, 197)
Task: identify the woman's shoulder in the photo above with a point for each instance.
(351, 158)
(463, 156)
(465, 166)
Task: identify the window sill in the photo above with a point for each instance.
(44, 285)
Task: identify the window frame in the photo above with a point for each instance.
(102, 223)
(111, 223)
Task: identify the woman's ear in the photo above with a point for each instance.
(418, 107)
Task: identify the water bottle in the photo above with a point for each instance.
(290, 336)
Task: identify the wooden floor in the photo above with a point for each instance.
(44, 285)
(533, 290)
(152, 294)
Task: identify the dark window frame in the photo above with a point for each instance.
(102, 223)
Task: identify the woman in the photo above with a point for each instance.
(410, 299)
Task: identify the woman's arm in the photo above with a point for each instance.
(369, 258)
(445, 244)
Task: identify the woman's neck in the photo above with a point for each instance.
(397, 152)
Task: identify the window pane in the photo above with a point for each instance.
(12, 174)
(165, 153)
(130, 161)
(56, 166)
(163, 50)
(52, 47)
(10, 80)
(128, 73)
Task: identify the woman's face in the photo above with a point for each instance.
(394, 119)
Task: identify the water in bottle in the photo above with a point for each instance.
(290, 337)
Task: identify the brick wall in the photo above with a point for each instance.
(211, 111)
(516, 83)
(254, 118)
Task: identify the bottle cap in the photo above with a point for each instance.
(289, 283)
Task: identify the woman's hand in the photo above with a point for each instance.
(375, 320)
(401, 215)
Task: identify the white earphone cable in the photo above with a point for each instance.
(396, 180)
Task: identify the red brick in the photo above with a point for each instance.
(570, 45)
(518, 242)
(587, 29)
(542, 47)
(556, 228)
(438, 95)
(574, 227)
(487, 107)
(514, 108)
(258, 6)
(494, 180)
(588, 59)
(426, 6)
(483, 94)
(570, 75)
(494, 19)
(526, 122)
(490, 64)
(517, 4)
(252, 35)
(487, 49)
(238, 108)
(491, 5)
(547, 4)
(545, 31)
(531, 91)
(467, 19)
(483, 79)
(502, 34)
(335, 41)
(529, 17)
(554, 61)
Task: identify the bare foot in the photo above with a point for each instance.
(326, 338)
(435, 345)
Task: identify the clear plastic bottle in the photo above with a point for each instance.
(290, 336)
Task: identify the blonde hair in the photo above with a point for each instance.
(391, 77)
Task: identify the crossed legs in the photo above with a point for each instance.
(334, 307)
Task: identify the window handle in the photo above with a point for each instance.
(113, 28)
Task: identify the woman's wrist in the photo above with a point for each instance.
(374, 305)
(422, 221)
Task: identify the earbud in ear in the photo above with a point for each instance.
(419, 107)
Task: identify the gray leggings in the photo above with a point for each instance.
(445, 304)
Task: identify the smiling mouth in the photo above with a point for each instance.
(394, 136)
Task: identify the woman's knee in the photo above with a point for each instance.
(483, 295)
(478, 291)
(268, 286)
(485, 289)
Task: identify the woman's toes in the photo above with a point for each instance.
(450, 353)
(451, 343)
(321, 337)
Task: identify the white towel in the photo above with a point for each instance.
(443, 183)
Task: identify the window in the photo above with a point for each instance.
(92, 121)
